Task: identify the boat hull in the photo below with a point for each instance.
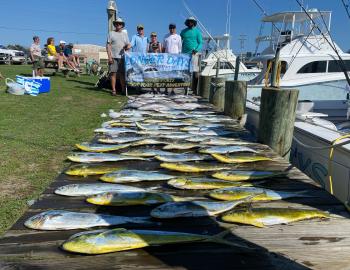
(315, 163)
(332, 90)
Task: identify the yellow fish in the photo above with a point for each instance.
(239, 159)
(261, 217)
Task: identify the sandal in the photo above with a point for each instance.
(114, 93)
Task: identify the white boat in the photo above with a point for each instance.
(324, 116)
(225, 59)
(308, 62)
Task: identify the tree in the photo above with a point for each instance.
(18, 48)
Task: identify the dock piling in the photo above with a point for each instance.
(204, 86)
(217, 92)
(277, 116)
(235, 99)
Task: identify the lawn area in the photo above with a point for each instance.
(37, 133)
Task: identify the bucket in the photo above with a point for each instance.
(14, 88)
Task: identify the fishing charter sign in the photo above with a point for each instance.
(161, 70)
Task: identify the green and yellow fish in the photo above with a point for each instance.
(133, 198)
(203, 183)
(193, 167)
(245, 175)
(260, 194)
(107, 241)
(262, 217)
(239, 159)
(90, 169)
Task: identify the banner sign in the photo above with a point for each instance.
(158, 70)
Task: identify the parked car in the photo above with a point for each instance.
(11, 56)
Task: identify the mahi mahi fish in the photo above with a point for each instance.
(133, 198)
(76, 190)
(261, 217)
(107, 241)
(262, 194)
(115, 131)
(100, 148)
(56, 220)
(239, 159)
(152, 127)
(119, 140)
(147, 152)
(193, 167)
(203, 183)
(223, 142)
(90, 169)
(129, 176)
(245, 175)
(226, 150)
(182, 157)
(193, 209)
(180, 146)
(148, 142)
(99, 157)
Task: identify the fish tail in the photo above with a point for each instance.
(220, 239)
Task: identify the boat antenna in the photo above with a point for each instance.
(228, 19)
(346, 6)
(341, 61)
(265, 14)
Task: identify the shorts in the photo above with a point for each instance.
(117, 66)
(52, 58)
(38, 63)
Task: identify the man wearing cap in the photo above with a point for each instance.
(36, 57)
(139, 42)
(117, 44)
(172, 41)
(192, 41)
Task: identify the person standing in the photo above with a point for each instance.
(154, 46)
(192, 42)
(172, 42)
(139, 42)
(36, 57)
(117, 44)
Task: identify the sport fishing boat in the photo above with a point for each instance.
(309, 58)
(321, 142)
(221, 61)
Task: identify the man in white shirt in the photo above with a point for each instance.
(172, 41)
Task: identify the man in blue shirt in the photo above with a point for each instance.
(139, 42)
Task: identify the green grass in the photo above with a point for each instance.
(37, 133)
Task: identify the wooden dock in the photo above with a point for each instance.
(313, 244)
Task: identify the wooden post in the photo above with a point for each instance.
(277, 116)
(275, 68)
(238, 64)
(204, 86)
(235, 99)
(217, 92)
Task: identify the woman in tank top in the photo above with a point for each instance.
(154, 46)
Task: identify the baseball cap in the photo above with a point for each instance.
(172, 26)
(62, 42)
(140, 26)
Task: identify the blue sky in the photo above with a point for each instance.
(87, 18)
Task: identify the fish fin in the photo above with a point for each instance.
(220, 239)
(257, 224)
